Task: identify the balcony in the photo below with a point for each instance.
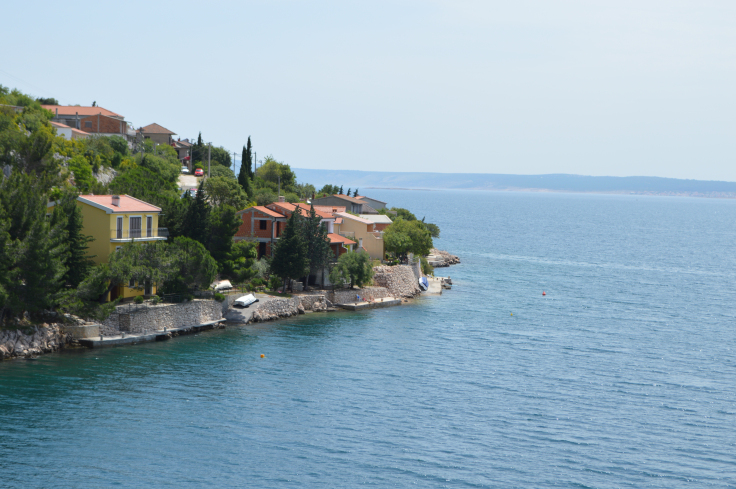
(348, 234)
(152, 234)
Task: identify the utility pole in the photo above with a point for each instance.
(234, 155)
(209, 157)
(255, 163)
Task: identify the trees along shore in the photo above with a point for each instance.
(44, 261)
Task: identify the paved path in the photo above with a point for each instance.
(188, 181)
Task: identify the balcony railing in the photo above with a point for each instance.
(348, 234)
(139, 234)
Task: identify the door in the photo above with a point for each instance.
(119, 229)
(147, 288)
(135, 227)
(261, 249)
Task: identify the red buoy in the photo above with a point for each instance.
(544, 293)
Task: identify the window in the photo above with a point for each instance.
(264, 224)
(117, 248)
(149, 226)
(135, 227)
(261, 249)
(132, 283)
(87, 123)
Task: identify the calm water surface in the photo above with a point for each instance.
(622, 376)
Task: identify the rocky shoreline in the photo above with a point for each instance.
(439, 258)
(46, 338)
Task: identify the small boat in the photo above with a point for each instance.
(423, 283)
(222, 285)
(245, 300)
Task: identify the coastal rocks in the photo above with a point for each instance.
(399, 280)
(42, 339)
(277, 308)
(438, 258)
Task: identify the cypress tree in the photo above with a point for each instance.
(244, 175)
(355, 194)
(249, 158)
(348, 194)
(340, 190)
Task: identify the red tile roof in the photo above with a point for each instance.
(330, 208)
(305, 209)
(127, 204)
(263, 209)
(82, 111)
(349, 199)
(354, 218)
(361, 197)
(337, 239)
(155, 129)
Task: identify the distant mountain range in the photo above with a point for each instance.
(493, 181)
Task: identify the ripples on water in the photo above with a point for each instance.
(622, 376)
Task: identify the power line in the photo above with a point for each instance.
(26, 82)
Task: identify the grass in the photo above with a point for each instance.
(277, 294)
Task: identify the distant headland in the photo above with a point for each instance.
(533, 183)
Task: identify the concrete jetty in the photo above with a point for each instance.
(359, 306)
(135, 338)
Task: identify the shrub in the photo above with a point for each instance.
(427, 269)
(138, 299)
(274, 283)
(219, 297)
(156, 300)
(256, 282)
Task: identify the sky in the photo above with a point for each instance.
(586, 87)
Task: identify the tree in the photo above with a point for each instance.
(354, 268)
(76, 261)
(222, 225)
(290, 254)
(404, 237)
(348, 194)
(355, 193)
(244, 174)
(319, 252)
(193, 266)
(340, 192)
(221, 190)
(240, 260)
(196, 219)
(272, 170)
(47, 101)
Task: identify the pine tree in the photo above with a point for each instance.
(68, 214)
(196, 219)
(348, 194)
(318, 244)
(290, 254)
(355, 194)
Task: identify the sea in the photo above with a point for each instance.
(588, 342)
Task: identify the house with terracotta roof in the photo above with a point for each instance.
(184, 151)
(157, 133)
(265, 224)
(113, 220)
(92, 120)
(380, 221)
(356, 206)
(68, 132)
(363, 231)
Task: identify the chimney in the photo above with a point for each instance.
(57, 112)
(116, 200)
(282, 198)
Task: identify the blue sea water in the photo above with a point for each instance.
(623, 375)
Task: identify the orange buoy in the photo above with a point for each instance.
(263, 356)
(544, 293)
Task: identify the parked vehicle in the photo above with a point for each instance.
(198, 172)
(245, 300)
(185, 169)
(192, 192)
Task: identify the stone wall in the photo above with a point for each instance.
(399, 280)
(314, 302)
(43, 339)
(155, 318)
(344, 296)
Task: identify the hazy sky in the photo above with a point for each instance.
(587, 87)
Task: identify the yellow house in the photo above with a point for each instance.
(363, 232)
(113, 220)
